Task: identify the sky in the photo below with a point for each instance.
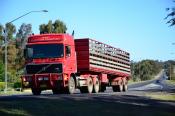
(135, 26)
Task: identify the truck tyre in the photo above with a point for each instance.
(89, 85)
(36, 91)
(71, 85)
(125, 87)
(88, 88)
(115, 88)
(102, 88)
(120, 87)
(96, 86)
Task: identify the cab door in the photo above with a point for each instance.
(70, 59)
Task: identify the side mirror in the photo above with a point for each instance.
(28, 53)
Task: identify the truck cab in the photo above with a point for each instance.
(50, 61)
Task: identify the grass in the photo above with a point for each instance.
(9, 92)
(162, 96)
(13, 92)
(133, 82)
(172, 82)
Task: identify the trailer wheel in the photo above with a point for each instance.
(102, 88)
(117, 88)
(96, 86)
(125, 84)
(71, 85)
(120, 87)
(125, 87)
(36, 91)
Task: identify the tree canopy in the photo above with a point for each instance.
(24, 31)
(10, 30)
(56, 27)
(171, 16)
(145, 69)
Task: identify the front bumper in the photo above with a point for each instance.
(42, 81)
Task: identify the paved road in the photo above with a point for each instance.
(158, 84)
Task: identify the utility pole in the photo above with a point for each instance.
(5, 37)
(5, 34)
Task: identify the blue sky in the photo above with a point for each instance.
(136, 26)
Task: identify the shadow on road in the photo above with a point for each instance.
(85, 105)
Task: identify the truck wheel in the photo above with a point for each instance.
(120, 87)
(88, 88)
(115, 88)
(102, 88)
(71, 85)
(96, 86)
(36, 91)
(89, 85)
(125, 87)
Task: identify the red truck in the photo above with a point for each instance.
(62, 64)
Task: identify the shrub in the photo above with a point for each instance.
(17, 85)
(2, 86)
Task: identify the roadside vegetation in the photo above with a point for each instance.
(169, 67)
(171, 82)
(162, 96)
(145, 69)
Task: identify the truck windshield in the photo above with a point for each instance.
(46, 50)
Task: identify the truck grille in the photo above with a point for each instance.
(43, 68)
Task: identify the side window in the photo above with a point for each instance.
(68, 51)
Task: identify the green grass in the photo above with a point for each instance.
(162, 96)
(171, 82)
(14, 92)
(11, 92)
(133, 82)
